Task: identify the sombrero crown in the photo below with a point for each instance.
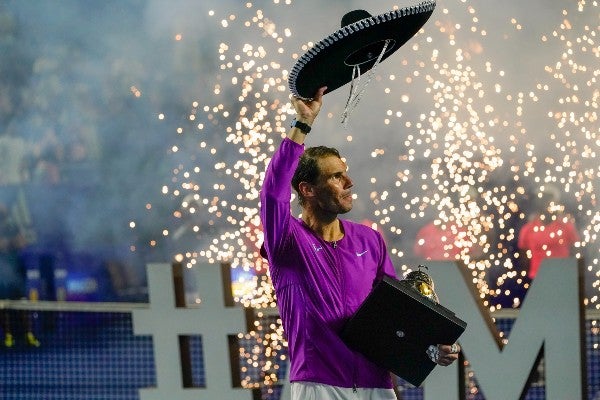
(359, 42)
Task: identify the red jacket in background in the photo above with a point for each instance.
(554, 240)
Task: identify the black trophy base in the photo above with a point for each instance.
(394, 327)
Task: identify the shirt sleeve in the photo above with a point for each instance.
(523, 239)
(275, 196)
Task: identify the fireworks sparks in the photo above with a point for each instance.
(483, 132)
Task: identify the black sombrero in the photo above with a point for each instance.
(363, 41)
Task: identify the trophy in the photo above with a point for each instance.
(422, 283)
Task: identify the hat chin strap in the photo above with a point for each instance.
(356, 91)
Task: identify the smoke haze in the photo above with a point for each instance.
(117, 116)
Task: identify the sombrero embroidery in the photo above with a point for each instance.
(357, 47)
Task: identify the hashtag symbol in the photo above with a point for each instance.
(166, 323)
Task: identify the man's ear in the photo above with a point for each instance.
(306, 189)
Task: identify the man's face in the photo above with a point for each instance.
(333, 188)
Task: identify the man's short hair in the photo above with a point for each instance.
(308, 167)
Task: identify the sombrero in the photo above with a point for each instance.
(359, 45)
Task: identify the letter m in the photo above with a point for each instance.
(550, 322)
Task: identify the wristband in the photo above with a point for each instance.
(305, 128)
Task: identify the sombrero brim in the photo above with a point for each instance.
(331, 61)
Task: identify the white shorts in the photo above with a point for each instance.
(319, 391)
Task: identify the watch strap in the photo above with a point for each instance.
(305, 128)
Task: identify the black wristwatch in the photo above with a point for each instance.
(305, 128)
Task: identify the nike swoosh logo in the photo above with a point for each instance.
(361, 254)
(317, 248)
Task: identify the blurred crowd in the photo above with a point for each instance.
(53, 168)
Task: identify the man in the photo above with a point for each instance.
(322, 267)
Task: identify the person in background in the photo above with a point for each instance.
(550, 232)
(12, 280)
(438, 241)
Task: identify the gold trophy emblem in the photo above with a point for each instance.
(422, 283)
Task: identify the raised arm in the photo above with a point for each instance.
(277, 188)
(306, 112)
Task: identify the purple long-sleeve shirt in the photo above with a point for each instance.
(318, 287)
